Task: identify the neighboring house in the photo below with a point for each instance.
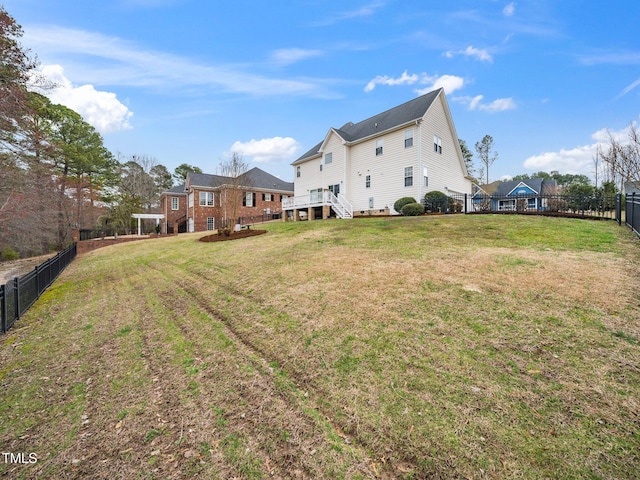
(515, 195)
(363, 168)
(174, 208)
(207, 202)
(631, 188)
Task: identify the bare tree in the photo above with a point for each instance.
(235, 168)
(623, 158)
(483, 148)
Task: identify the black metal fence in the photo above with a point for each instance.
(20, 293)
(264, 217)
(632, 212)
(583, 206)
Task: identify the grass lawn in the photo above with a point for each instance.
(429, 347)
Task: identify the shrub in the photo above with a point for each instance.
(435, 201)
(9, 253)
(412, 209)
(402, 202)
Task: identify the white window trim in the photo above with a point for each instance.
(408, 176)
(408, 135)
(175, 203)
(207, 196)
(437, 144)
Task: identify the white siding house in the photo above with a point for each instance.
(363, 168)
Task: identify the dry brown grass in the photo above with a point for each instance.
(453, 347)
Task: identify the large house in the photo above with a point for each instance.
(207, 202)
(363, 168)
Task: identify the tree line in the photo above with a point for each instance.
(614, 166)
(55, 172)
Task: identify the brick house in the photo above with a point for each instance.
(205, 202)
(174, 208)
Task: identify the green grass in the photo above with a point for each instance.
(443, 347)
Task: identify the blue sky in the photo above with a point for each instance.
(190, 81)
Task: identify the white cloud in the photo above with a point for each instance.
(509, 10)
(268, 149)
(628, 88)
(498, 105)
(362, 12)
(473, 52)
(577, 160)
(450, 83)
(404, 79)
(104, 60)
(100, 109)
(287, 56)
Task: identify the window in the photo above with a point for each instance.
(206, 199)
(426, 177)
(191, 200)
(378, 147)
(211, 223)
(367, 181)
(408, 138)
(328, 158)
(315, 196)
(266, 197)
(408, 176)
(335, 189)
(437, 144)
(175, 202)
(248, 200)
(298, 171)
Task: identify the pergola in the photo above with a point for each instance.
(153, 216)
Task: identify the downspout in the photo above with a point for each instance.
(346, 171)
(420, 166)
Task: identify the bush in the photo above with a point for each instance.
(9, 253)
(412, 209)
(435, 201)
(402, 202)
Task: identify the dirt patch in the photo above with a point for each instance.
(16, 268)
(232, 236)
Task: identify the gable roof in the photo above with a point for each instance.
(631, 188)
(254, 178)
(402, 114)
(538, 185)
(177, 190)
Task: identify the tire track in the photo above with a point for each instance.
(291, 406)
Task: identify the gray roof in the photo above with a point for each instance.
(631, 188)
(177, 189)
(538, 184)
(255, 178)
(402, 114)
